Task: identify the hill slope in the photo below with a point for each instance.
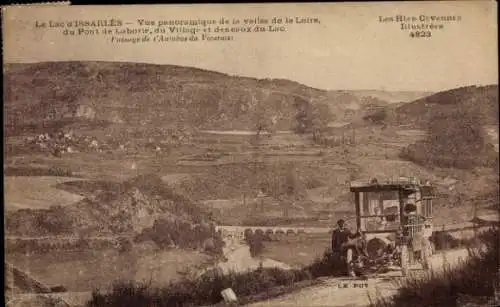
(455, 123)
(128, 207)
(480, 100)
(145, 94)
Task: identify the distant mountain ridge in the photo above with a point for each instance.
(390, 97)
(149, 95)
(142, 94)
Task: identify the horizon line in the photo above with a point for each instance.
(383, 89)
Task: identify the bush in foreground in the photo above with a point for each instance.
(207, 289)
(328, 265)
(473, 280)
(203, 291)
(443, 240)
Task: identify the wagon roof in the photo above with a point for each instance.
(384, 187)
(392, 185)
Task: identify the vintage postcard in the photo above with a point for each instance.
(321, 154)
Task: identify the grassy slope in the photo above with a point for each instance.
(128, 206)
(144, 94)
(132, 97)
(482, 100)
(36, 192)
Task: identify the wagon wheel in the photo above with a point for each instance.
(432, 248)
(426, 254)
(404, 260)
(349, 261)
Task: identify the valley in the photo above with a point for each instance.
(129, 181)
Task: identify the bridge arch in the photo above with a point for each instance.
(248, 232)
(259, 232)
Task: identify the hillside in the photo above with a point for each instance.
(480, 100)
(109, 209)
(136, 96)
(455, 122)
(390, 97)
(139, 95)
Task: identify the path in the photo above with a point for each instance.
(338, 292)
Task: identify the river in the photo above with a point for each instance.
(240, 260)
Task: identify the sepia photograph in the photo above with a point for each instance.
(260, 155)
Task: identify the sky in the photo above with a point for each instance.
(349, 49)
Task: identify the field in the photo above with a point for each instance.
(221, 173)
(220, 170)
(37, 192)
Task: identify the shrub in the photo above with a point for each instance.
(60, 171)
(443, 240)
(379, 116)
(124, 245)
(82, 244)
(203, 291)
(166, 233)
(312, 183)
(58, 289)
(328, 265)
(474, 278)
(38, 171)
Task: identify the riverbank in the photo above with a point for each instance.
(240, 260)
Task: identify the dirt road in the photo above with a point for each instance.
(338, 292)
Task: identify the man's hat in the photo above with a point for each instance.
(410, 208)
(340, 222)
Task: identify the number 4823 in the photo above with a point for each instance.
(420, 34)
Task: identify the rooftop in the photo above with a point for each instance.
(393, 183)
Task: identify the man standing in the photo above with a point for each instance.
(340, 236)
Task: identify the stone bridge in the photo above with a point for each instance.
(238, 232)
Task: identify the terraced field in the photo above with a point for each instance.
(25, 192)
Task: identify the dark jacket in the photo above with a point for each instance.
(339, 237)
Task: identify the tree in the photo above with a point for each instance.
(263, 122)
(292, 184)
(378, 116)
(286, 187)
(458, 136)
(303, 116)
(321, 116)
(263, 119)
(312, 117)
